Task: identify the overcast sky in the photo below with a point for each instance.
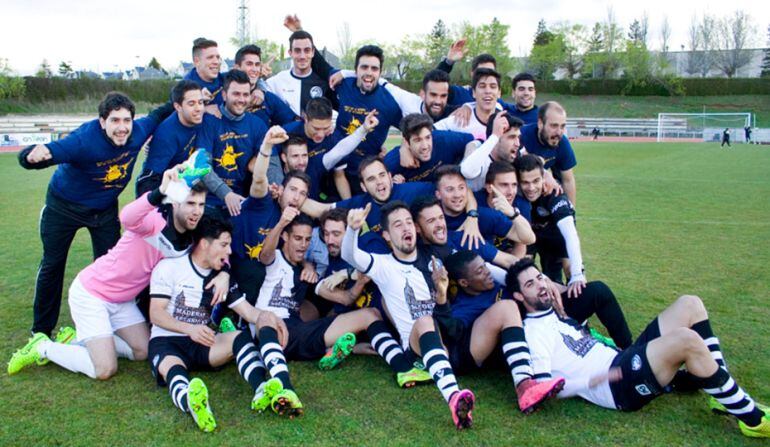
(106, 35)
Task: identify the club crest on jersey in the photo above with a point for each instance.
(228, 159)
(316, 92)
(580, 347)
(541, 211)
(643, 390)
(636, 362)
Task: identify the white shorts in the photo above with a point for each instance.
(95, 318)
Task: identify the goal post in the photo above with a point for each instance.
(701, 126)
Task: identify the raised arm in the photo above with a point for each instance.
(267, 255)
(359, 259)
(348, 144)
(275, 135)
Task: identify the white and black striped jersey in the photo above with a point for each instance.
(564, 348)
(282, 292)
(182, 283)
(296, 91)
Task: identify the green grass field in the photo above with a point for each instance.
(656, 221)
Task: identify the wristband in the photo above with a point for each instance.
(473, 213)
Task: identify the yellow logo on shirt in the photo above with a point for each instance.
(228, 159)
(114, 173)
(354, 124)
(253, 252)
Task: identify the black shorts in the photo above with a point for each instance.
(306, 339)
(194, 355)
(638, 387)
(458, 346)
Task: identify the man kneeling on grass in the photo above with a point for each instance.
(182, 341)
(632, 378)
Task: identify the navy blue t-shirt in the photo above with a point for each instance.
(405, 192)
(171, 144)
(313, 149)
(232, 144)
(250, 228)
(274, 112)
(525, 208)
(354, 106)
(459, 95)
(214, 87)
(467, 308)
(557, 159)
(529, 116)
(370, 297)
(448, 148)
(93, 171)
(491, 222)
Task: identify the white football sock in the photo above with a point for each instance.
(72, 357)
(122, 348)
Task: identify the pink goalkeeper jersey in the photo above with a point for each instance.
(125, 270)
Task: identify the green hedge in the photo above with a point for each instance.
(689, 87)
(158, 91)
(48, 89)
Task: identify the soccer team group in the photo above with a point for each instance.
(302, 239)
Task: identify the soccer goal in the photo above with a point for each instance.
(702, 126)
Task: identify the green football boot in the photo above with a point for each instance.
(198, 402)
(65, 336)
(337, 353)
(602, 339)
(265, 393)
(27, 355)
(760, 431)
(410, 378)
(286, 403)
(226, 325)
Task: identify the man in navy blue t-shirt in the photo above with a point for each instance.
(265, 105)
(207, 63)
(452, 191)
(232, 140)
(547, 140)
(94, 166)
(174, 140)
(481, 329)
(430, 149)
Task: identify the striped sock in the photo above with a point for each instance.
(516, 353)
(178, 382)
(248, 361)
(272, 355)
(436, 360)
(727, 392)
(387, 346)
(703, 328)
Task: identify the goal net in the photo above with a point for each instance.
(702, 126)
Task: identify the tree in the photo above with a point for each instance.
(766, 58)
(44, 71)
(575, 48)
(546, 58)
(542, 35)
(65, 70)
(437, 43)
(708, 35)
(734, 34)
(11, 86)
(665, 35)
(697, 56)
(637, 32)
(345, 44)
(156, 65)
(596, 41)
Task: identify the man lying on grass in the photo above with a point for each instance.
(632, 378)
